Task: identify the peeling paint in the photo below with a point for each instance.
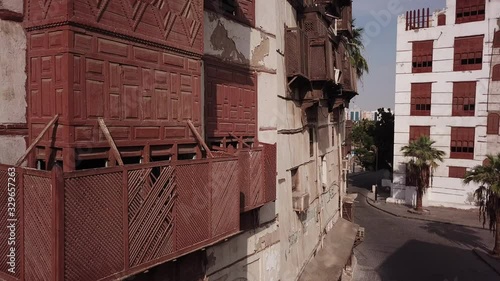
(272, 261)
(267, 241)
(8, 95)
(211, 259)
(221, 42)
(261, 51)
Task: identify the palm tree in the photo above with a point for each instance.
(423, 162)
(488, 194)
(355, 46)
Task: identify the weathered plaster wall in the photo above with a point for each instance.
(444, 190)
(12, 82)
(279, 250)
(237, 43)
(493, 141)
(12, 5)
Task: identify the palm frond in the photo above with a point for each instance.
(488, 194)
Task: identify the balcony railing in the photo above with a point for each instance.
(417, 19)
(104, 224)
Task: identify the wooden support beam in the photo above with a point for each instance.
(200, 139)
(37, 140)
(240, 140)
(111, 142)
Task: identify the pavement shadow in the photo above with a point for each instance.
(461, 235)
(423, 261)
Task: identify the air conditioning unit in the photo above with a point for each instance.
(300, 201)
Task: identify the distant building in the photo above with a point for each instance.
(446, 89)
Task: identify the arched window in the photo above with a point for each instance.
(495, 76)
(441, 19)
(492, 124)
(496, 39)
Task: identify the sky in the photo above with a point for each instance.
(379, 18)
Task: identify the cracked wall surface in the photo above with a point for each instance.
(239, 44)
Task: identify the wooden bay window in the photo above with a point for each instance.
(422, 56)
(468, 53)
(470, 11)
(464, 98)
(418, 131)
(462, 142)
(421, 99)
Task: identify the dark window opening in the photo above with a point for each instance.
(131, 160)
(91, 164)
(311, 142)
(186, 156)
(229, 6)
(41, 165)
(295, 178)
(160, 158)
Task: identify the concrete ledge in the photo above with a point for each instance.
(329, 262)
(494, 263)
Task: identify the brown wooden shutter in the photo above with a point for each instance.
(418, 131)
(496, 39)
(464, 98)
(441, 19)
(493, 124)
(457, 172)
(495, 75)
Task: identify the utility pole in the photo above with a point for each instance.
(375, 150)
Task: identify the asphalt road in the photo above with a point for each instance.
(397, 249)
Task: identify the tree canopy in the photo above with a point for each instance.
(366, 134)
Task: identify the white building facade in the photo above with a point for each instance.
(443, 73)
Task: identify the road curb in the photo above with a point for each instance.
(371, 203)
(495, 265)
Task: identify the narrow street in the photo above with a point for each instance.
(397, 249)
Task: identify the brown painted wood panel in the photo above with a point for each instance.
(464, 98)
(421, 94)
(422, 56)
(470, 11)
(239, 10)
(462, 142)
(175, 23)
(495, 75)
(83, 75)
(230, 101)
(468, 53)
(493, 123)
(418, 131)
(457, 172)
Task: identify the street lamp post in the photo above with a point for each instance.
(374, 149)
